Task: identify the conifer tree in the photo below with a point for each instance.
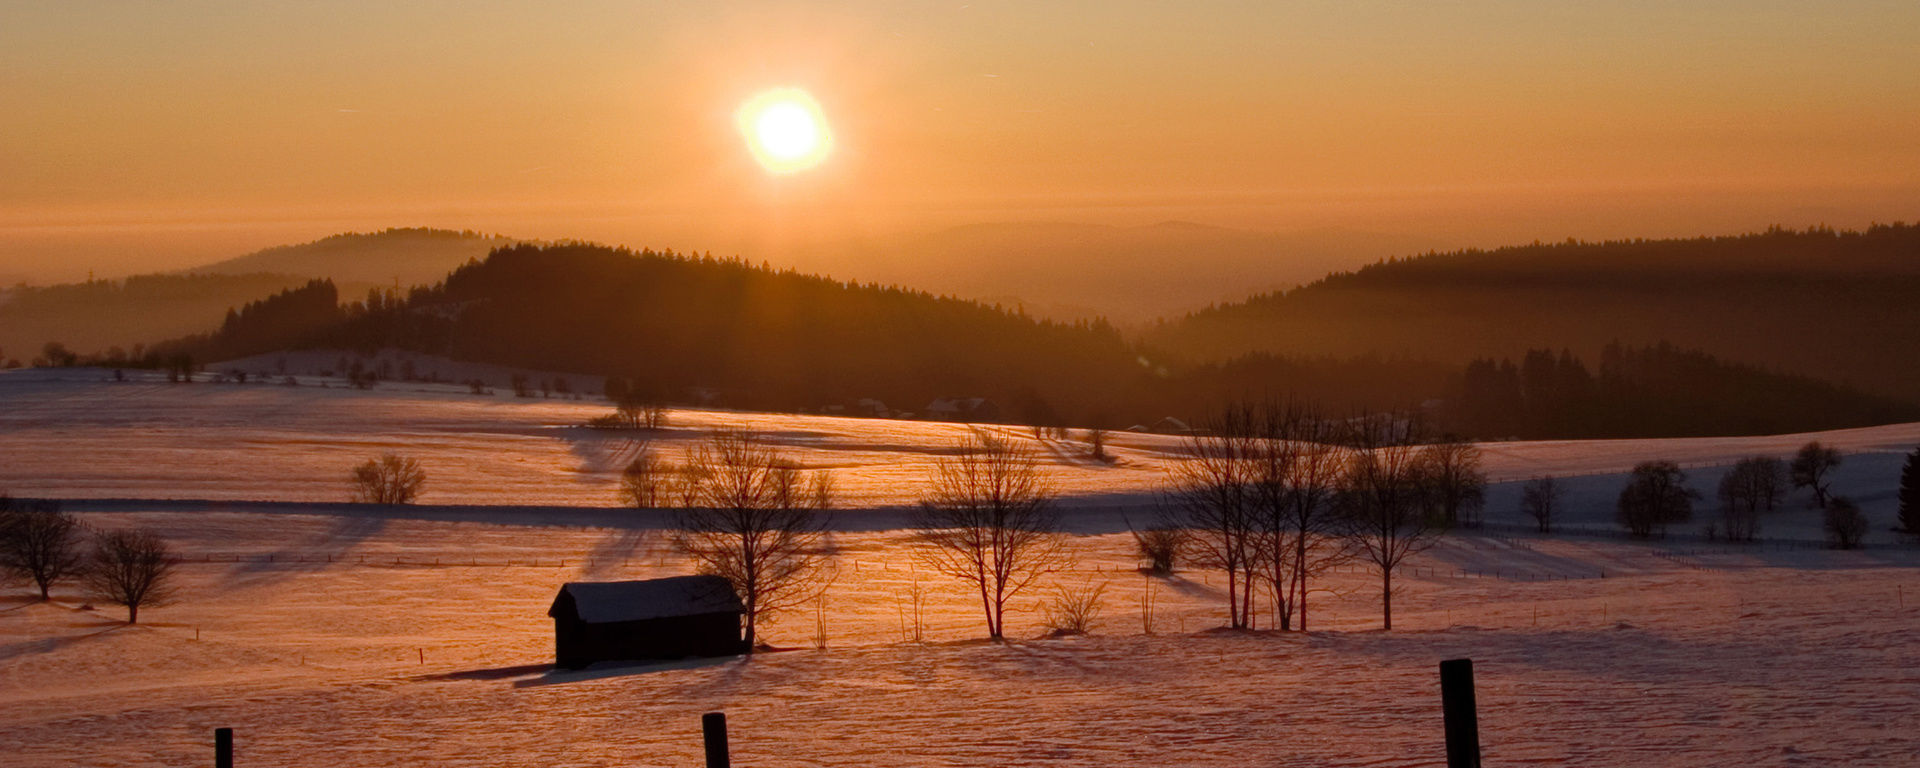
(1910, 494)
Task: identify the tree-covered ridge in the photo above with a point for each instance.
(1653, 391)
(699, 329)
(1831, 304)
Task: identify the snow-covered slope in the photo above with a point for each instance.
(329, 634)
(72, 433)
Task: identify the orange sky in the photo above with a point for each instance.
(154, 135)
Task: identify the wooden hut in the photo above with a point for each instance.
(667, 618)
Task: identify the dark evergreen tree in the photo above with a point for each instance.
(1910, 494)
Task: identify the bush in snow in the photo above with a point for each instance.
(390, 479)
(1844, 523)
(1160, 545)
(1073, 611)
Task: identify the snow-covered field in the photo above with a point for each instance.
(335, 636)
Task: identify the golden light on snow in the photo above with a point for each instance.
(785, 129)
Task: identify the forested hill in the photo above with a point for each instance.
(1841, 306)
(757, 337)
(721, 331)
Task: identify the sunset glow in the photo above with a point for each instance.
(785, 130)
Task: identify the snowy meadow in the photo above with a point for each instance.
(331, 633)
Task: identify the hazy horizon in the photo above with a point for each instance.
(146, 138)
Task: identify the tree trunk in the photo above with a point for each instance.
(1386, 599)
(133, 614)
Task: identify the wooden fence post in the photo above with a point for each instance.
(1460, 713)
(713, 725)
(223, 748)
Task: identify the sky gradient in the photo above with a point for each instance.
(143, 136)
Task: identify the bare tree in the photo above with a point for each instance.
(638, 408)
(1656, 496)
(38, 542)
(1314, 478)
(1456, 488)
(987, 518)
(1385, 499)
(132, 569)
(390, 479)
(1212, 494)
(650, 481)
(1845, 525)
(755, 519)
(1811, 467)
(1750, 489)
(1540, 500)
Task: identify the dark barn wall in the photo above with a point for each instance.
(578, 644)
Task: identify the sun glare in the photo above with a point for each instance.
(785, 130)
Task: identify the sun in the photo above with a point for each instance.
(785, 130)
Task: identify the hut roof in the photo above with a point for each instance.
(605, 602)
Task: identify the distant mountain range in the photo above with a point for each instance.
(399, 258)
(143, 309)
(1840, 306)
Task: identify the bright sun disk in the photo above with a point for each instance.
(785, 130)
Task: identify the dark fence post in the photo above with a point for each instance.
(223, 748)
(713, 726)
(1460, 712)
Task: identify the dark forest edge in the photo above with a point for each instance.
(1831, 304)
(699, 330)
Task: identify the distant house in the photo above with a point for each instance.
(963, 409)
(1172, 426)
(669, 618)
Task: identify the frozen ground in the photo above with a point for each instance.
(381, 657)
(330, 635)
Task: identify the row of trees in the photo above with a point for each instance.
(42, 544)
(1271, 495)
(1275, 495)
(1657, 496)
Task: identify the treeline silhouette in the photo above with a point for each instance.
(96, 315)
(1652, 391)
(1835, 305)
(722, 332)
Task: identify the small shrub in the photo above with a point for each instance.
(1073, 611)
(1160, 545)
(390, 479)
(1844, 523)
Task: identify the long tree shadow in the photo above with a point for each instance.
(314, 555)
(51, 644)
